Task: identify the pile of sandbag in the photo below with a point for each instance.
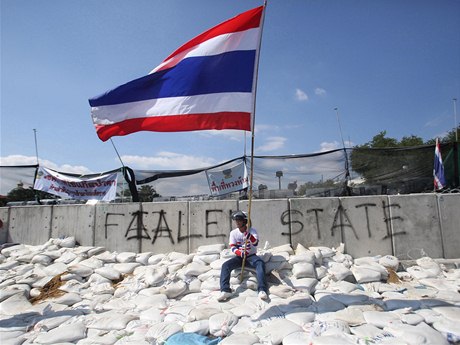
(61, 293)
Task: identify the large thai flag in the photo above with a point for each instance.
(438, 170)
(208, 83)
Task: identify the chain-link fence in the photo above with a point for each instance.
(341, 172)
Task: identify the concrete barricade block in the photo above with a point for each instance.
(415, 226)
(4, 236)
(116, 227)
(449, 208)
(30, 224)
(74, 220)
(210, 222)
(270, 220)
(315, 222)
(166, 226)
(366, 230)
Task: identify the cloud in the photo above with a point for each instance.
(227, 134)
(168, 160)
(320, 92)
(272, 144)
(328, 146)
(31, 160)
(301, 95)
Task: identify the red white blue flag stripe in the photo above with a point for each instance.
(438, 170)
(208, 83)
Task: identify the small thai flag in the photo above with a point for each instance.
(438, 170)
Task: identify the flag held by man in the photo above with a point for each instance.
(207, 83)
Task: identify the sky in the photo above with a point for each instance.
(386, 65)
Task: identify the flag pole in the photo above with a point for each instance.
(256, 73)
(251, 175)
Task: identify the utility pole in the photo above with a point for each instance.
(455, 119)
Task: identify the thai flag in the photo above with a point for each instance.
(208, 83)
(438, 170)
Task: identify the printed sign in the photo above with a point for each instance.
(103, 187)
(228, 180)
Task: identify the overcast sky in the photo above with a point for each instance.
(389, 65)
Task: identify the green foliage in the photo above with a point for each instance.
(147, 193)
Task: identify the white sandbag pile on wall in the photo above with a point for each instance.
(60, 293)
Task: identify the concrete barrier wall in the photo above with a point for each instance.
(407, 226)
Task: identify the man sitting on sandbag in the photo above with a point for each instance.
(243, 243)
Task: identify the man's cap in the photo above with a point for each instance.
(240, 215)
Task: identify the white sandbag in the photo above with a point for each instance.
(157, 258)
(194, 269)
(68, 299)
(300, 249)
(326, 252)
(338, 271)
(211, 284)
(276, 330)
(41, 259)
(449, 312)
(110, 320)
(49, 323)
(67, 242)
(212, 273)
(160, 332)
(449, 329)
(206, 258)
(108, 272)
(126, 257)
(335, 339)
(155, 276)
(440, 284)
(240, 339)
(202, 313)
(127, 267)
(283, 248)
(422, 334)
(412, 319)
(221, 324)
(92, 262)
(200, 327)
(297, 338)
(14, 305)
(281, 291)
(68, 333)
(331, 327)
(102, 288)
(301, 318)
(304, 284)
(365, 274)
(389, 261)
(153, 314)
(303, 270)
(143, 258)
(381, 319)
(9, 250)
(81, 270)
(174, 290)
(66, 257)
(210, 249)
(107, 257)
(217, 265)
(307, 256)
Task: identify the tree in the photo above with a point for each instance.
(27, 194)
(147, 193)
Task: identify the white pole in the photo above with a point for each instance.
(36, 147)
(455, 119)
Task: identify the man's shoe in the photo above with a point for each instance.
(224, 295)
(263, 295)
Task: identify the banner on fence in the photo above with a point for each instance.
(228, 180)
(101, 188)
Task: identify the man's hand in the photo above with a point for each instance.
(240, 253)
